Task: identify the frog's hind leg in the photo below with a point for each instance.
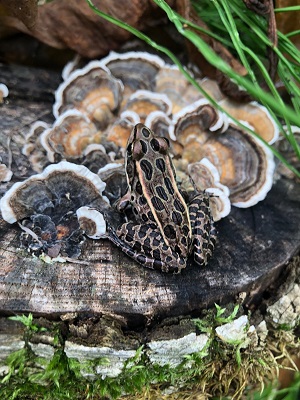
(204, 233)
(145, 244)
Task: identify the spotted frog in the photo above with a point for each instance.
(167, 229)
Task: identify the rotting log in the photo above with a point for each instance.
(254, 245)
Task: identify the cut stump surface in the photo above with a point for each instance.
(254, 246)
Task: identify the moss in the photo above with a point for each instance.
(219, 369)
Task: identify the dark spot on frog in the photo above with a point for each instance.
(169, 232)
(142, 231)
(135, 211)
(177, 249)
(155, 242)
(183, 241)
(151, 216)
(129, 149)
(169, 186)
(179, 206)
(156, 254)
(129, 238)
(138, 188)
(142, 201)
(176, 217)
(145, 132)
(161, 165)
(144, 146)
(137, 246)
(161, 193)
(185, 229)
(141, 258)
(193, 209)
(146, 243)
(155, 144)
(147, 169)
(145, 218)
(157, 203)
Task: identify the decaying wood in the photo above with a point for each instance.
(253, 248)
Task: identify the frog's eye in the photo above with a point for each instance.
(160, 145)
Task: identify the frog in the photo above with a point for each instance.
(166, 228)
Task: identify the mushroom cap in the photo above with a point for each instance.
(119, 132)
(5, 173)
(219, 203)
(57, 183)
(91, 90)
(194, 119)
(256, 115)
(136, 69)
(3, 91)
(205, 177)
(71, 66)
(92, 222)
(113, 175)
(144, 102)
(71, 133)
(33, 136)
(244, 163)
(33, 148)
(170, 81)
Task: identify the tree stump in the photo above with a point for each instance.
(104, 292)
(254, 245)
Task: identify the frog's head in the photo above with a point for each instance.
(143, 141)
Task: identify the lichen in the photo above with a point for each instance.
(224, 356)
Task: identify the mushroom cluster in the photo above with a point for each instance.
(96, 108)
(49, 206)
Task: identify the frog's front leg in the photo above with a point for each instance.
(144, 243)
(204, 233)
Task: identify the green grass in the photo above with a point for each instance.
(228, 19)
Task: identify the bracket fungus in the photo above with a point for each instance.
(144, 102)
(46, 205)
(3, 92)
(92, 222)
(96, 108)
(136, 69)
(171, 82)
(205, 177)
(244, 163)
(71, 133)
(5, 173)
(91, 90)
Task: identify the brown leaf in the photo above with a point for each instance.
(289, 21)
(23, 10)
(73, 24)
